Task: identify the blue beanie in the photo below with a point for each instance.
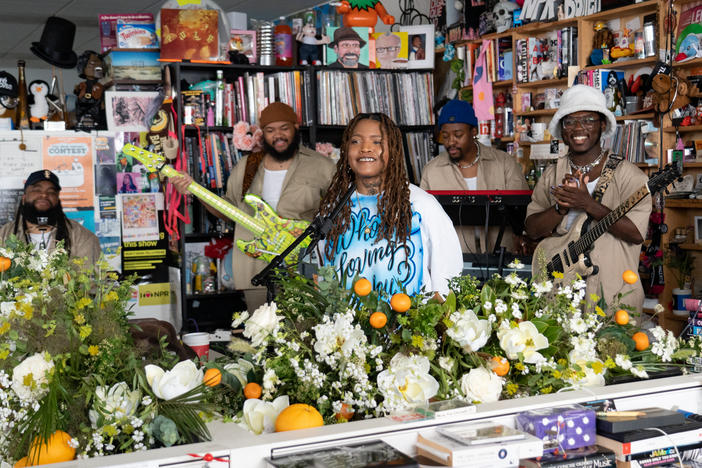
(457, 111)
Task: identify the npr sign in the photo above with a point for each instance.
(547, 10)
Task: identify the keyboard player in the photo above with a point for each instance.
(469, 165)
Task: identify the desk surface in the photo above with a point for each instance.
(247, 450)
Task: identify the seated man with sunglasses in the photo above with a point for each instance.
(577, 184)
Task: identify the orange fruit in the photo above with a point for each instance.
(630, 277)
(499, 365)
(5, 264)
(362, 287)
(22, 463)
(54, 450)
(641, 340)
(212, 378)
(346, 412)
(378, 320)
(252, 390)
(298, 416)
(400, 302)
(621, 317)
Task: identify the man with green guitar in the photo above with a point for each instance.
(289, 177)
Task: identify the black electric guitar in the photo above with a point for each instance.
(568, 254)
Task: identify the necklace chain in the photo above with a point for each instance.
(584, 169)
(475, 161)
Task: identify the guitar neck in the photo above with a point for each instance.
(220, 204)
(603, 225)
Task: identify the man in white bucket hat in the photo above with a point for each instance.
(579, 184)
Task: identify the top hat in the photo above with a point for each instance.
(345, 33)
(56, 44)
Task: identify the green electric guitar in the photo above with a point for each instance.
(272, 233)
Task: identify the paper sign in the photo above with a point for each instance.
(71, 159)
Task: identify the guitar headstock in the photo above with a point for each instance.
(152, 161)
(664, 177)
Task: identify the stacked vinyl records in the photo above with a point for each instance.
(265, 44)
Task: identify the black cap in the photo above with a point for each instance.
(8, 85)
(44, 174)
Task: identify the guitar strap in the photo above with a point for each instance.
(252, 163)
(606, 176)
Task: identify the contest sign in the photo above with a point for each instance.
(71, 159)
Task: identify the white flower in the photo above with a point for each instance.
(468, 331)
(6, 308)
(31, 377)
(542, 288)
(583, 349)
(341, 334)
(525, 339)
(446, 363)
(239, 318)
(591, 378)
(623, 361)
(482, 385)
(260, 415)
(261, 324)
(170, 384)
(115, 403)
(500, 306)
(239, 369)
(664, 344)
(407, 382)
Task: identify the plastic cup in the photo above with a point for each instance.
(199, 342)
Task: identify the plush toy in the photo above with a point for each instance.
(39, 109)
(363, 13)
(309, 45)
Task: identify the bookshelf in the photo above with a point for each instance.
(681, 213)
(323, 114)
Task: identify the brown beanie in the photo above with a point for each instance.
(277, 112)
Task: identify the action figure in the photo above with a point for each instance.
(309, 45)
(363, 13)
(90, 106)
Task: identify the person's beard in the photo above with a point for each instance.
(287, 153)
(349, 60)
(41, 217)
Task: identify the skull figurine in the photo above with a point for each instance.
(503, 15)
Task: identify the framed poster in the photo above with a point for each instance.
(420, 39)
(129, 111)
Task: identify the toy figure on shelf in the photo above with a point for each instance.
(38, 107)
(610, 92)
(309, 45)
(363, 13)
(90, 106)
(602, 43)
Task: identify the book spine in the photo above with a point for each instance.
(602, 460)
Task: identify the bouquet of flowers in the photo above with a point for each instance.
(72, 381)
(357, 353)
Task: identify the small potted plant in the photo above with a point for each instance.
(681, 263)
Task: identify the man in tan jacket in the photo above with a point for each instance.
(469, 165)
(288, 176)
(40, 220)
(565, 192)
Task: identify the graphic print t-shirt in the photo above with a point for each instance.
(389, 266)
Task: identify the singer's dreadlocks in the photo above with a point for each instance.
(393, 201)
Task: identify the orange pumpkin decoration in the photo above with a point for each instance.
(499, 365)
(362, 287)
(252, 390)
(378, 320)
(212, 378)
(641, 341)
(345, 413)
(54, 450)
(400, 302)
(298, 416)
(621, 317)
(630, 277)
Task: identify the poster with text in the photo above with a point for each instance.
(71, 159)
